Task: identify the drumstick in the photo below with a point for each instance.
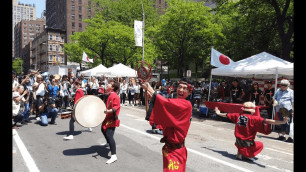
(109, 104)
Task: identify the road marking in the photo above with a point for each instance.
(279, 151)
(203, 124)
(25, 154)
(191, 150)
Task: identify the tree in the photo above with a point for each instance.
(185, 34)
(251, 27)
(17, 65)
(109, 35)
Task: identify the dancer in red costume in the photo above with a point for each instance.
(174, 116)
(246, 128)
(111, 120)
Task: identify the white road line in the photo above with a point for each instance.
(279, 151)
(199, 123)
(25, 154)
(193, 151)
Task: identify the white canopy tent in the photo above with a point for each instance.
(120, 70)
(260, 66)
(96, 71)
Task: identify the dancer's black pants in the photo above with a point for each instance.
(109, 136)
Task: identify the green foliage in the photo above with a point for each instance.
(17, 65)
(185, 34)
(253, 26)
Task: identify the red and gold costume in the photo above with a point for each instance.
(111, 119)
(246, 128)
(174, 116)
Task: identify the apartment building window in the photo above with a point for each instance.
(80, 25)
(73, 24)
(56, 46)
(57, 37)
(62, 39)
(63, 60)
(72, 7)
(72, 0)
(50, 37)
(80, 9)
(80, 1)
(80, 17)
(50, 58)
(50, 47)
(72, 16)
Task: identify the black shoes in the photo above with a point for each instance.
(289, 140)
(281, 138)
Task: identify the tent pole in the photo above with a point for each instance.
(274, 111)
(209, 90)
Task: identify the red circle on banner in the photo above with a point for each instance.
(224, 60)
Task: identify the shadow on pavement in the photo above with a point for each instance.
(232, 156)
(100, 150)
(267, 137)
(67, 133)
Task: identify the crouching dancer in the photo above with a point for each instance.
(246, 128)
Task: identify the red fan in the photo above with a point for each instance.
(143, 71)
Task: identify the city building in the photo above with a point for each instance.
(25, 31)
(21, 12)
(47, 49)
(68, 15)
(26, 53)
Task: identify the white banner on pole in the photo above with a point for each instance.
(138, 32)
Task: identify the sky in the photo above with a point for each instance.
(40, 5)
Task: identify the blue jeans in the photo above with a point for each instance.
(285, 127)
(44, 117)
(26, 112)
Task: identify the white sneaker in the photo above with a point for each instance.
(112, 159)
(89, 129)
(70, 137)
(38, 119)
(105, 144)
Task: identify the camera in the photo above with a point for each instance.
(47, 100)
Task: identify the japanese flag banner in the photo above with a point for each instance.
(86, 59)
(218, 59)
(138, 32)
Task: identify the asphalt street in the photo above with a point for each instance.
(210, 146)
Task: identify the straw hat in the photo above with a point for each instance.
(249, 107)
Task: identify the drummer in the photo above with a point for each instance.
(78, 94)
(111, 120)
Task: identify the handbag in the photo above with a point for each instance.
(101, 90)
(62, 93)
(291, 129)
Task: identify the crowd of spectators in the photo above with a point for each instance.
(43, 95)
